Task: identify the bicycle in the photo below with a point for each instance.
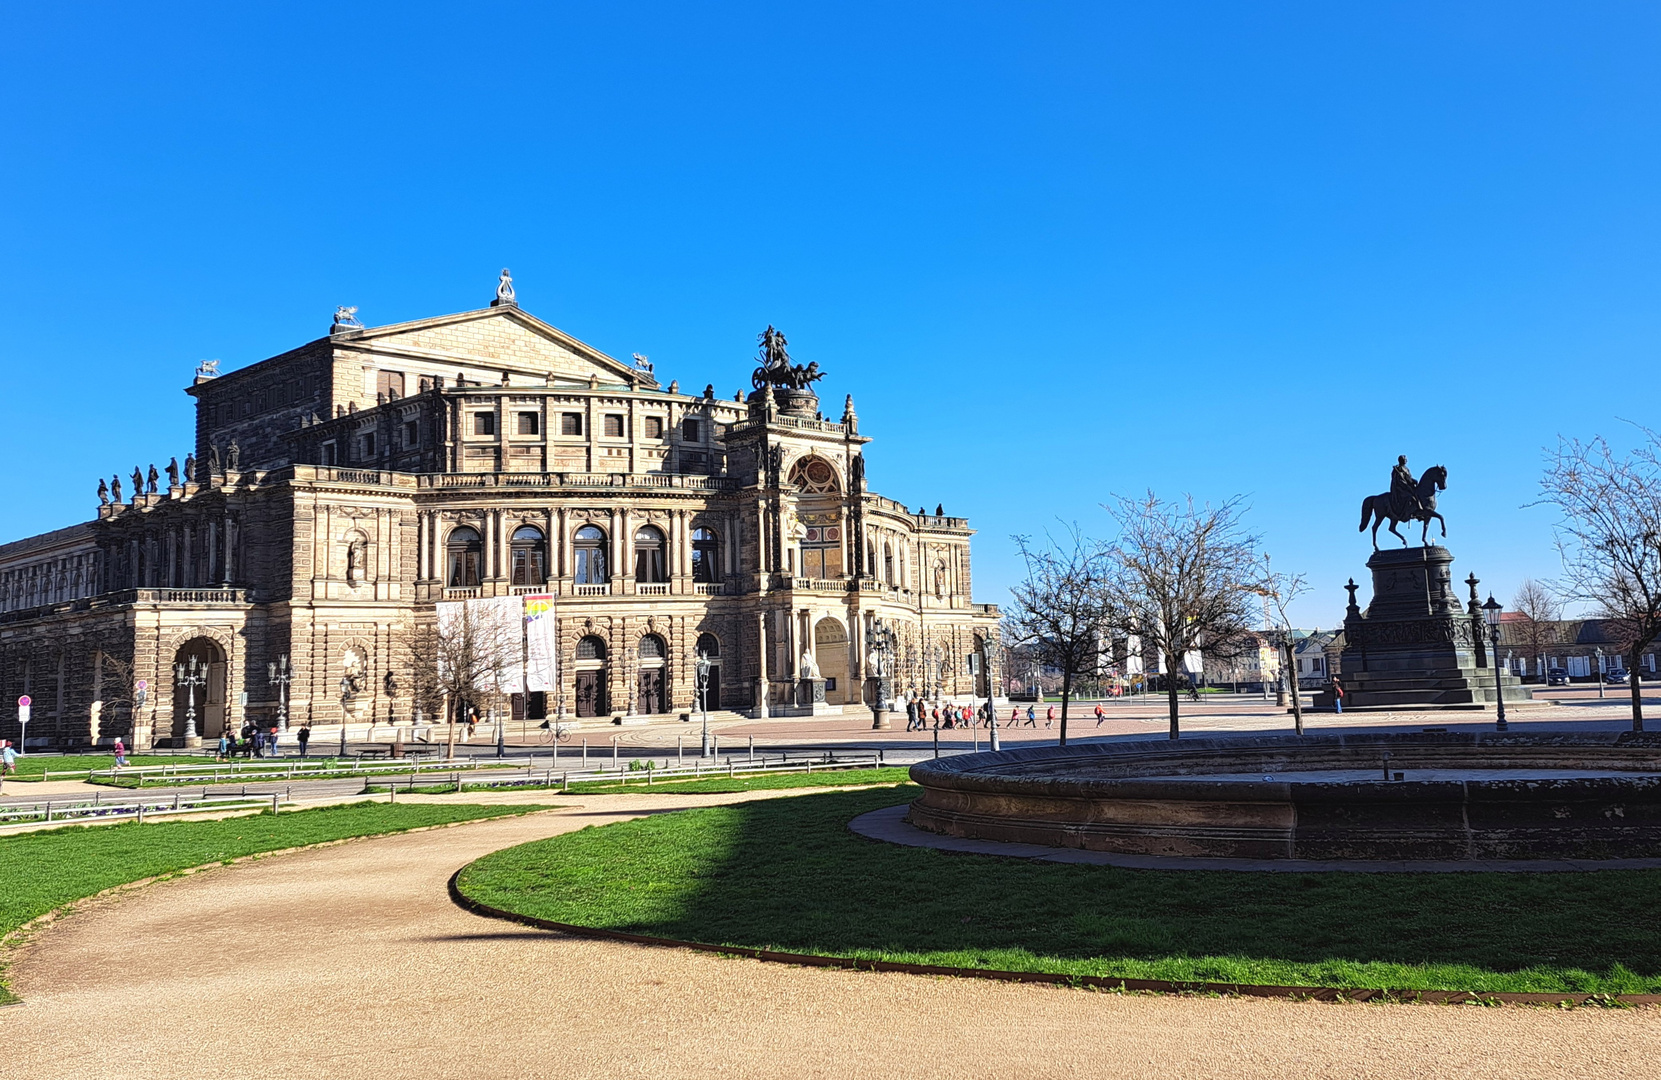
(553, 732)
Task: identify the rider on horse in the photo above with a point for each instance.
(1404, 491)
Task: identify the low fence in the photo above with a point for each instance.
(257, 771)
(51, 811)
(734, 766)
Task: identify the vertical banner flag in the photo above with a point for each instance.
(541, 649)
(501, 621)
(449, 624)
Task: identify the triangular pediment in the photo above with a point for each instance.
(504, 338)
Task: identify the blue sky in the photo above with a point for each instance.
(1055, 251)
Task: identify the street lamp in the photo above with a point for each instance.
(879, 648)
(1491, 611)
(346, 689)
(700, 684)
(278, 675)
(190, 677)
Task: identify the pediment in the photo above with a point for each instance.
(501, 337)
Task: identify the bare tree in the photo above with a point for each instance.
(1184, 580)
(1060, 609)
(1536, 628)
(1278, 592)
(1609, 537)
(458, 660)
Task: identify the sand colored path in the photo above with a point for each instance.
(350, 961)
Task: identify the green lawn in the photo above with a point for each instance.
(46, 870)
(787, 874)
(268, 770)
(31, 766)
(713, 785)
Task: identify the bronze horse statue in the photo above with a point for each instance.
(1381, 508)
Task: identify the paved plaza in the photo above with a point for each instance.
(380, 975)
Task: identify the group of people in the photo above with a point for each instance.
(920, 715)
(254, 741)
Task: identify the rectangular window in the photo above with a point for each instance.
(528, 423)
(328, 454)
(389, 384)
(614, 426)
(412, 433)
(484, 423)
(654, 427)
(368, 447)
(571, 423)
(690, 430)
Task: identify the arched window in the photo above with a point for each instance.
(651, 647)
(706, 555)
(709, 645)
(465, 549)
(590, 544)
(815, 476)
(530, 556)
(591, 648)
(888, 564)
(648, 556)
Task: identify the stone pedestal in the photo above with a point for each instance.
(1416, 645)
(882, 692)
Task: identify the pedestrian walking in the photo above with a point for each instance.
(1337, 695)
(120, 754)
(8, 758)
(1032, 716)
(303, 737)
(271, 740)
(224, 748)
(1015, 716)
(1100, 716)
(1049, 717)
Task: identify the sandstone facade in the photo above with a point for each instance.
(344, 488)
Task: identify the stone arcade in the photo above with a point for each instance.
(338, 491)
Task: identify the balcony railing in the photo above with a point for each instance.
(592, 590)
(637, 481)
(709, 588)
(651, 588)
(462, 592)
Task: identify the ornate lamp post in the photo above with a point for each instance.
(346, 690)
(879, 648)
(390, 685)
(190, 677)
(700, 684)
(278, 675)
(1491, 611)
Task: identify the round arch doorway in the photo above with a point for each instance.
(830, 650)
(199, 687)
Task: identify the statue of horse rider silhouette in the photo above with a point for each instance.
(1407, 500)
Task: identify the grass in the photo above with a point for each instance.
(714, 785)
(787, 874)
(265, 770)
(31, 767)
(46, 870)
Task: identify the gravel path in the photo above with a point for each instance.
(350, 961)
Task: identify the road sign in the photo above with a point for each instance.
(25, 701)
(144, 684)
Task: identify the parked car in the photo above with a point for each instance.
(1619, 675)
(1557, 677)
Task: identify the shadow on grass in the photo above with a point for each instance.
(787, 874)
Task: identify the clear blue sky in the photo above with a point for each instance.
(1054, 251)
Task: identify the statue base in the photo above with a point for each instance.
(803, 403)
(810, 701)
(1416, 646)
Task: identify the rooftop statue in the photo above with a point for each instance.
(1407, 500)
(776, 368)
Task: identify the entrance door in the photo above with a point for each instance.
(590, 694)
(712, 689)
(652, 698)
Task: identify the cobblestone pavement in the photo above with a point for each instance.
(350, 961)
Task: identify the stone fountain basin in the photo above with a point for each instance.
(1464, 796)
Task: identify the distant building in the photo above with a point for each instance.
(1530, 649)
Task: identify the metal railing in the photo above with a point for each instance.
(296, 769)
(52, 811)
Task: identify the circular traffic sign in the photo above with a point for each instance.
(25, 701)
(144, 684)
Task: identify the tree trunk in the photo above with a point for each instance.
(1171, 697)
(1635, 685)
(1066, 693)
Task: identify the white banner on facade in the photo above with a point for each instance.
(501, 621)
(449, 622)
(541, 648)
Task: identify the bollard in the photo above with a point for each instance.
(1386, 764)
(273, 803)
(680, 751)
(698, 768)
(585, 754)
(177, 794)
(614, 753)
(648, 777)
(48, 811)
(752, 749)
(936, 742)
(810, 766)
(141, 813)
(565, 781)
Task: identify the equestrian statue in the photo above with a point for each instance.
(1407, 500)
